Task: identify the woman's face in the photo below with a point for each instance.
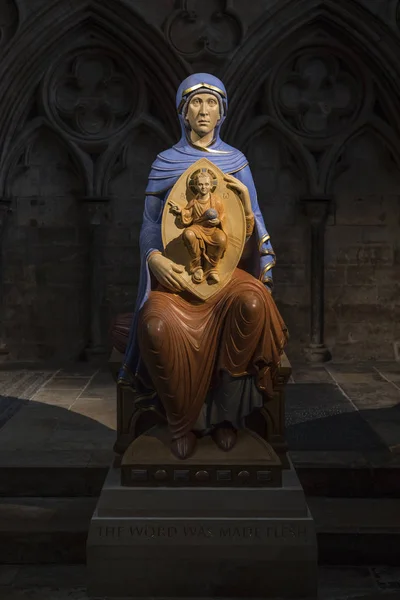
(203, 113)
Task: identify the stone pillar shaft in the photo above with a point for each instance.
(317, 284)
(5, 211)
(317, 211)
(96, 217)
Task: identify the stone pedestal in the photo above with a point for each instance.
(196, 541)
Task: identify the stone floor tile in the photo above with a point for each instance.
(45, 457)
(43, 593)
(311, 375)
(376, 595)
(98, 409)
(59, 582)
(377, 460)
(64, 398)
(343, 374)
(385, 422)
(103, 439)
(27, 429)
(103, 400)
(387, 578)
(331, 458)
(390, 371)
(343, 582)
(9, 407)
(8, 379)
(57, 576)
(24, 384)
(78, 370)
(67, 383)
(372, 395)
(101, 386)
(106, 392)
(27, 516)
(101, 458)
(319, 417)
(7, 574)
(357, 514)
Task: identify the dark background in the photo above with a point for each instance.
(87, 99)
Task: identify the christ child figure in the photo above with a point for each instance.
(204, 235)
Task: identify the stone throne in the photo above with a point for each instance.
(136, 415)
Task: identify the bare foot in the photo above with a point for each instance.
(198, 275)
(184, 446)
(213, 277)
(224, 435)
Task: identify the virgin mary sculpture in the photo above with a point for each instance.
(210, 362)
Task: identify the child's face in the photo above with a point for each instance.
(203, 184)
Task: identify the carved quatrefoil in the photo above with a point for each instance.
(91, 94)
(201, 27)
(317, 94)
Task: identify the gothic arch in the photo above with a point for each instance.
(81, 162)
(52, 31)
(302, 157)
(109, 158)
(287, 25)
(378, 129)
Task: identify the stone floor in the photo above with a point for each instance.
(335, 414)
(68, 582)
(62, 422)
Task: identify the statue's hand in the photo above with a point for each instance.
(167, 272)
(242, 191)
(210, 217)
(174, 208)
(211, 213)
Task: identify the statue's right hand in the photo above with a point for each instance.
(174, 208)
(167, 272)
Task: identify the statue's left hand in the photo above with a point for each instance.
(242, 191)
(167, 272)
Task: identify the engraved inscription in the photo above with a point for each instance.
(284, 532)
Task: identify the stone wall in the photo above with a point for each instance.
(86, 102)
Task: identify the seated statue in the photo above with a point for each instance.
(213, 362)
(204, 235)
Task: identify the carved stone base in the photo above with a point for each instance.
(149, 462)
(317, 353)
(202, 542)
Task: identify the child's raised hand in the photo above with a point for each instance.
(174, 208)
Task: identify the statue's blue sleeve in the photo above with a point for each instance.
(150, 232)
(149, 240)
(266, 256)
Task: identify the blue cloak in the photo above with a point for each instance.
(165, 171)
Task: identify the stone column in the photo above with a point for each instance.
(96, 216)
(317, 211)
(5, 211)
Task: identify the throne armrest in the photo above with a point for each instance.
(284, 373)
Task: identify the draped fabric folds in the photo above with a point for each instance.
(186, 346)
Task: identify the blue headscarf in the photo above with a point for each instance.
(170, 164)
